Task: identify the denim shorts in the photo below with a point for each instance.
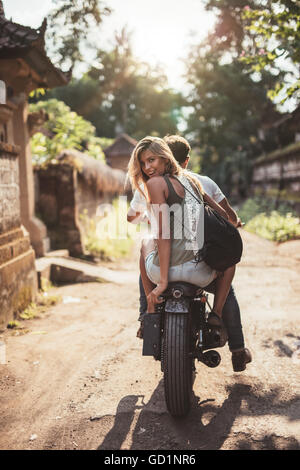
(198, 274)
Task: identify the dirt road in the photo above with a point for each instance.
(77, 379)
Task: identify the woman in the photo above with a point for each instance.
(166, 258)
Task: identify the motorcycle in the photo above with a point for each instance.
(177, 335)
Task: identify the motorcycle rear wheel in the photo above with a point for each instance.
(178, 363)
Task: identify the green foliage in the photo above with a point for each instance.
(37, 93)
(227, 109)
(275, 29)
(13, 324)
(44, 301)
(79, 20)
(260, 33)
(195, 161)
(64, 129)
(99, 243)
(229, 103)
(261, 204)
(30, 312)
(275, 227)
(270, 220)
(122, 94)
(105, 142)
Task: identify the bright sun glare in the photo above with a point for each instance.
(161, 30)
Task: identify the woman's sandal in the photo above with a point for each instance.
(140, 331)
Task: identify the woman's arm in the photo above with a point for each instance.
(136, 217)
(157, 192)
(137, 208)
(133, 216)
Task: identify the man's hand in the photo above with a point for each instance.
(238, 223)
(233, 217)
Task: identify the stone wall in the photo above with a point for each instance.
(9, 189)
(18, 280)
(56, 206)
(278, 174)
(64, 191)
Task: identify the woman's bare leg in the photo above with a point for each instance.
(147, 247)
(223, 284)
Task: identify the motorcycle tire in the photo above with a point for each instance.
(178, 363)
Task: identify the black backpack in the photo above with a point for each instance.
(223, 246)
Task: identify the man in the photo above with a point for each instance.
(231, 312)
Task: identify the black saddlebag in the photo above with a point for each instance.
(152, 334)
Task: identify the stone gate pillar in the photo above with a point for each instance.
(36, 228)
(18, 279)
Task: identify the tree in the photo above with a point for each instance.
(228, 108)
(123, 94)
(228, 103)
(264, 35)
(64, 129)
(79, 21)
(276, 33)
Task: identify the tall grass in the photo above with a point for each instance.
(108, 235)
(278, 225)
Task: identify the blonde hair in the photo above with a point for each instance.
(160, 148)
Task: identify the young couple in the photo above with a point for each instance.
(158, 174)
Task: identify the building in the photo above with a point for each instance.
(118, 154)
(276, 173)
(24, 67)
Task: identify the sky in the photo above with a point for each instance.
(162, 29)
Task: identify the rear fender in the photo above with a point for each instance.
(181, 305)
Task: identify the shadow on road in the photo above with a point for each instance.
(156, 429)
(124, 417)
(207, 426)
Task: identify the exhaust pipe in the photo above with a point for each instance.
(210, 358)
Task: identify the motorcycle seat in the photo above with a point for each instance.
(186, 289)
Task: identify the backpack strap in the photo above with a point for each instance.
(200, 201)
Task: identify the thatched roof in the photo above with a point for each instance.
(95, 173)
(123, 145)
